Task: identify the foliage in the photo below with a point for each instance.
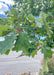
(3, 21)
(24, 44)
(5, 29)
(47, 52)
(7, 44)
(30, 20)
(51, 65)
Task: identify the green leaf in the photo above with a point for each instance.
(47, 52)
(33, 53)
(22, 43)
(31, 18)
(5, 29)
(7, 52)
(7, 43)
(45, 66)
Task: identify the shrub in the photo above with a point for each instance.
(51, 65)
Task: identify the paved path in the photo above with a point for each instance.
(19, 65)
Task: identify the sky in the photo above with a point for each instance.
(4, 6)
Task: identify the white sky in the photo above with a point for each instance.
(10, 2)
(4, 7)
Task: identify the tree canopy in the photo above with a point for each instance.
(26, 23)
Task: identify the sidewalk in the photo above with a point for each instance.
(19, 65)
